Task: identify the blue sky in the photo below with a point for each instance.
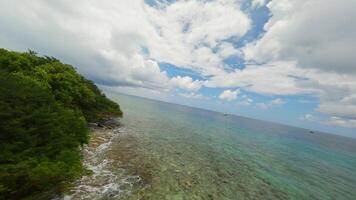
(287, 61)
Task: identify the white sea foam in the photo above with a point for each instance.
(105, 181)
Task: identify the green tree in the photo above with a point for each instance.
(44, 108)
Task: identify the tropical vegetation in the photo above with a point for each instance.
(45, 106)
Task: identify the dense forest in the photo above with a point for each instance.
(45, 106)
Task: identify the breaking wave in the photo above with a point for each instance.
(106, 180)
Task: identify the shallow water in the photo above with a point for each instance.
(167, 151)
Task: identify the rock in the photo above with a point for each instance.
(108, 123)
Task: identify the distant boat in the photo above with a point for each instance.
(225, 114)
(312, 132)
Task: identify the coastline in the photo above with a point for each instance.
(46, 107)
(95, 160)
(110, 174)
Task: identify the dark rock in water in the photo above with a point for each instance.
(311, 132)
(108, 123)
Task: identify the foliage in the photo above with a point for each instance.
(44, 108)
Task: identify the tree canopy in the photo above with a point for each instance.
(44, 109)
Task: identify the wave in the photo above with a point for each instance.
(106, 179)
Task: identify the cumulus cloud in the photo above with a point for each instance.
(103, 43)
(120, 43)
(307, 46)
(315, 44)
(229, 95)
(314, 33)
(274, 103)
(294, 57)
(186, 83)
(189, 31)
(331, 121)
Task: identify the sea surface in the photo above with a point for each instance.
(167, 151)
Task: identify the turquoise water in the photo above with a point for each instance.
(186, 153)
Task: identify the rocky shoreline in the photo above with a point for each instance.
(106, 123)
(102, 181)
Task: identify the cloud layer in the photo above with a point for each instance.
(306, 47)
(314, 41)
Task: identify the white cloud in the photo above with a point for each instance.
(227, 49)
(189, 30)
(339, 121)
(262, 106)
(229, 95)
(317, 41)
(186, 83)
(258, 3)
(274, 103)
(317, 34)
(245, 101)
(308, 117)
(335, 92)
(331, 121)
(307, 47)
(102, 42)
(273, 78)
(193, 95)
(105, 40)
(277, 102)
(136, 91)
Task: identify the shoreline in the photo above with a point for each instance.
(111, 175)
(101, 135)
(95, 160)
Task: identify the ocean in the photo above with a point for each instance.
(168, 151)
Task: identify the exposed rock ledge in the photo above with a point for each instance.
(107, 123)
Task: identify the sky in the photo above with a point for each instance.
(286, 61)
